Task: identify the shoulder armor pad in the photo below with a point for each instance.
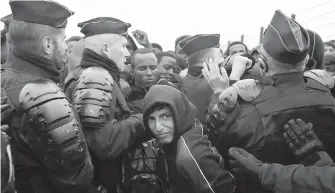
(321, 77)
(56, 134)
(248, 89)
(97, 78)
(94, 96)
(227, 99)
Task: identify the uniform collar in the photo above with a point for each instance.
(36, 67)
(287, 78)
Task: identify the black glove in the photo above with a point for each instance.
(244, 162)
(214, 120)
(304, 143)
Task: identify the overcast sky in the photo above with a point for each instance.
(165, 20)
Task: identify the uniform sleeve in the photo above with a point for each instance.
(297, 178)
(215, 97)
(117, 136)
(203, 167)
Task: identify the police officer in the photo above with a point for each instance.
(47, 143)
(194, 85)
(109, 126)
(293, 178)
(251, 111)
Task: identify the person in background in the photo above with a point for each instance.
(73, 56)
(193, 164)
(71, 42)
(329, 66)
(156, 47)
(255, 53)
(48, 146)
(126, 74)
(236, 47)
(329, 63)
(315, 51)
(166, 63)
(329, 47)
(181, 56)
(144, 69)
(168, 70)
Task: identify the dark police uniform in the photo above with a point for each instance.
(252, 110)
(195, 85)
(49, 150)
(109, 126)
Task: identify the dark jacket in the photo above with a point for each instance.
(297, 178)
(135, 99)
(194, 166)
(259, 109)
(198, 91)
(122, 131)
(33, 161)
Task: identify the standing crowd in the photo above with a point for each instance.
(97, 114)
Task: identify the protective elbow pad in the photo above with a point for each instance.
(56, 136)
(93, 96)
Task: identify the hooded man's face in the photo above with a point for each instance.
(161, 124)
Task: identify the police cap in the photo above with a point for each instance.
(285, 40)
(199, 42)
(45, 12)
(103, 25)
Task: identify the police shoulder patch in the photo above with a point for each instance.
(321, 77)
(248, 89)
(227, 100)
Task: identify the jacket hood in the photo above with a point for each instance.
(184, 112)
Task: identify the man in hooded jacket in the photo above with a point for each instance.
(194, 166)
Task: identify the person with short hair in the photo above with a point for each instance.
(329, 47)
(109, 125)
(72, 41)
(193, 164)
(180, 55)
(236, 47)
(198, 49)
(166, 62)
(47, 143)
(144, 67)
(156, 47)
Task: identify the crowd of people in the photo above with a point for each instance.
(99, 114)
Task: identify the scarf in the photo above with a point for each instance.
(39, 61)
(91, 58)
(195, 71)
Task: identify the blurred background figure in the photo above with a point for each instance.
(236, 47)
(329, 47)
(71, 42)
(156, 47)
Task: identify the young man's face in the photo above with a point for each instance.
(237, 48)
(161, 125)
(145, 69)
(166, 65)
